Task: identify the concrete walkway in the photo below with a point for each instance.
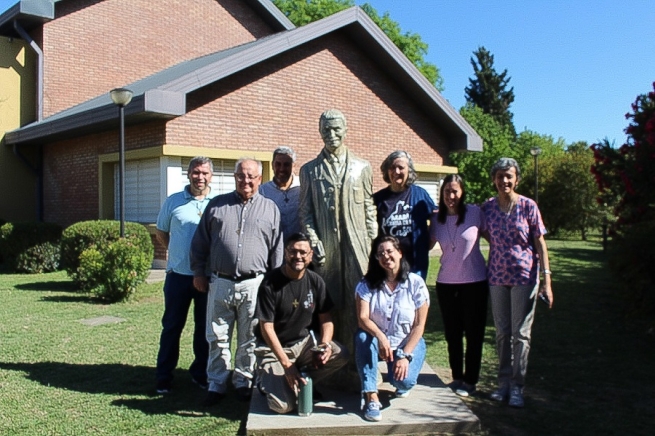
(431, 408)
(156, 276)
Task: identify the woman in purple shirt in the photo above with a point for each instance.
(517, 252)
(462, 287)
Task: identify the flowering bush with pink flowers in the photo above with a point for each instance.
(626, 176)
(626, 179)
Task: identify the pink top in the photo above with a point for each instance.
(513, 258)
(461, 259)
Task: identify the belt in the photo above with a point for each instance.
(237, 279)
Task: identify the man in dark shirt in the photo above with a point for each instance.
(289, 297)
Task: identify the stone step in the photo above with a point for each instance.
(430, 408)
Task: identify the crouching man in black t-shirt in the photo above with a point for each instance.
(289, 298)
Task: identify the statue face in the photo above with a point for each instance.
(333, 132)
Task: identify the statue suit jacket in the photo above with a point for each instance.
(319, 208)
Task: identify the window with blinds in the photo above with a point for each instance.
(144, 184)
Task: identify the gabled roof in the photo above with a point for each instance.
(163, 95)
(33, 13)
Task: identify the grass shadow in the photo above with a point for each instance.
(137, 382)
(51, 286)
(73, 299)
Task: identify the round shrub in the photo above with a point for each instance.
(113, 271)
(86, 234)
(30, 247)
(39, 259)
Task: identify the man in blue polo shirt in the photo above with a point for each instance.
(176, 225)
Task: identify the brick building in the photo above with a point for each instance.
(220, 78)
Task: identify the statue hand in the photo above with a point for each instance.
(319, 252)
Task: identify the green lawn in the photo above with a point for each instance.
(591, 366)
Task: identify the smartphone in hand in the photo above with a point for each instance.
(543, 297)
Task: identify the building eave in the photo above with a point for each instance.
(168, 99)
(29, 14)
(152, 105)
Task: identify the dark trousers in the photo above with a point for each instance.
(178, 294)
(464, 312)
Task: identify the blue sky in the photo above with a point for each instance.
(576, 65)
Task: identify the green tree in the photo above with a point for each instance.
(475, 166)
(488, 89)
(551, 151)
(301, 12)
(568, 192)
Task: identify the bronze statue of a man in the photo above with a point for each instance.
(338, 214)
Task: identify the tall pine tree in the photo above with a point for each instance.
(488, 90)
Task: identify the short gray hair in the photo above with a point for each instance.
(332, 114)
(386, 164)
(287, 151)
(248, 159)
(504, 164)
(198, 161)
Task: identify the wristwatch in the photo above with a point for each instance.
(401, 355)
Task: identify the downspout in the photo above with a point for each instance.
(39, 68)
(37, 171)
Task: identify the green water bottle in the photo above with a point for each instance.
(305, 399)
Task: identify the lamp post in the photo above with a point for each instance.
(535, 152)
(121, 98)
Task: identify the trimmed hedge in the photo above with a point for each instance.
(113, 271)
(99, 235)
(30, 247)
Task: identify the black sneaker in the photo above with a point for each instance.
(244, 394)
(164, 386)
(212, 399)
(201, 383)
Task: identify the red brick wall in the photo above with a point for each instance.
(70, 170)
(280, 103)
(93, 46)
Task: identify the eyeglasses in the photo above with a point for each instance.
(302, 253)
(385, 253)
(242, 177)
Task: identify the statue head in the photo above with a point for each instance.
(332, 126)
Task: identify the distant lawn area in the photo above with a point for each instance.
(591, 365)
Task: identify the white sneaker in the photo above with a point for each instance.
(465, 390)
(401, 394)
(516, 397)
(372, 412)
(501, 393)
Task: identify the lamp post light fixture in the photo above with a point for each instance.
(121, 98)
(535, 152)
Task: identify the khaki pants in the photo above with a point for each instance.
(281, 398)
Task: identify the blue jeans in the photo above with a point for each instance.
(367, 357)
(178, 294)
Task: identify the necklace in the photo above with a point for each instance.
(507, 211)
(199, 204)
(391, 284)
(452, 235)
